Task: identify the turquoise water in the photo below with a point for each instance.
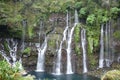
(46, 76)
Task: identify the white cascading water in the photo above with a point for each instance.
(24, 23)
(69, 64)
(67, 26)
(3, 53)
(12, 50)
(83, 42)
(111, 47)
(12, 46)
(106, 53)
(58, 63)
(23, 34)
(108, 45)
(101, 59)
(41, 55)
(76, 18)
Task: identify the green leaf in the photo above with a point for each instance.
(91, 19)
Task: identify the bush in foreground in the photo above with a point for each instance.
(111, 75)
(11, 73)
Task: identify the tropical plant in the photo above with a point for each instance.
(7, 72)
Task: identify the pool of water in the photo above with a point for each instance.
(46, 76)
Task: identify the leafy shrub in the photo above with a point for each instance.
(79, 4)
(83, 12)
(111, 75)
(7, 72)
(91, 19)
(114, 12)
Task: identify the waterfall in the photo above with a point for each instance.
(12, 47)
(69, 64)
(101, 59)
(12, 50)
(58, 63)
(108, 45)
(69, 41)
(83, 41)
(106, 49)
(67, 26)
(3, 53)
(41, 51)
(76, 18)
(23, 34)
(41, 55)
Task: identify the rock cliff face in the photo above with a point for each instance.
(54, 28)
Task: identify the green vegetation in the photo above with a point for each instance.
(92, 61)
(111, 75)
(77, 33)
(77, 39)
(6, 46)
(116, 34)
(27, 50)
(11, 73)
(93, 12)
(91, 19)
(52, 43)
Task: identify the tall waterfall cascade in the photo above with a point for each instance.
(66, 29)
(58, 61)
(83, 42)
(101, 59)
(41, 55)
(24, 23)
(69, 41)
(106, 47)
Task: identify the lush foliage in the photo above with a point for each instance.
(114, 12)
(111, 75)
(92, 12)
(27, 50)
(11, 73)
(77, 39)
